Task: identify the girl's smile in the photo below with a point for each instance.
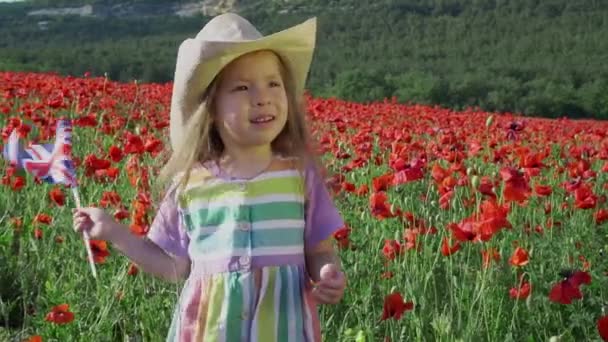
(262, 119)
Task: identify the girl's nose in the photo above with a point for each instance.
(261, 97)
(263, 102)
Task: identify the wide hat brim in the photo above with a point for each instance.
(199, 62)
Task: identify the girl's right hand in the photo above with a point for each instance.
(99, 224)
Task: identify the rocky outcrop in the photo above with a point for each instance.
(84, 11)
(205, 7)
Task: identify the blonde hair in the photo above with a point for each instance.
(202, 141)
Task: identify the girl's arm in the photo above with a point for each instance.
(148, 256)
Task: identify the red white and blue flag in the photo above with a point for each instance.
(51, 163)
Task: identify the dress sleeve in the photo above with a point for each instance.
(322, 216)
(167, 230)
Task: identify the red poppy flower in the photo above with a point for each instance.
(134, 144)
(600, 216)
(60, 314)
(387, 275)
(121, 214)
(379, 207)
(392, 249)
(486, 187)
(446, 249)
(18, 183)
(341, 236)
(584, 198)
(516, 186)
(139, 229)
(153, 145)
(602, 327)
(43, 219)
(100, 250)
(381, 183)
(520, 257)
(569, 289)
(395, 306)
(133, 270)
(349, 187)
(57, 196)
(521, 292)
(115, 153)
(109, 198)
(543, 190)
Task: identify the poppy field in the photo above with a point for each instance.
(461, 226)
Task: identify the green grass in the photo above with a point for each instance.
(455, 298)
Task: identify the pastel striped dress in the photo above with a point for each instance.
(245, 240)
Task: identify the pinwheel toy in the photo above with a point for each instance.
(51, 163)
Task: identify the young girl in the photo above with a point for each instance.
(247, 219)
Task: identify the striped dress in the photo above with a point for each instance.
(245, 240)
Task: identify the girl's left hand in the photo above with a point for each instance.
(331, 285)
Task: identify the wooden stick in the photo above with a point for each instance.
(85, 235)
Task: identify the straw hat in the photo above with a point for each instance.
(223, 39)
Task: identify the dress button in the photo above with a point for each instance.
(245, 260)
(242, 186)
(244, 316)
(244, 226)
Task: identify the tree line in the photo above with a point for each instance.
(544, 58)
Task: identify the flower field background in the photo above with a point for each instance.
(461, 226)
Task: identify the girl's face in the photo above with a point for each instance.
(251, 102)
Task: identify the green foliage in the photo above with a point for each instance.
(533, 57)
(76, 3)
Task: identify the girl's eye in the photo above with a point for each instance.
(275, 84)
(240, 88)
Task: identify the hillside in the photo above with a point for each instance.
(530, 56)
(130, 9)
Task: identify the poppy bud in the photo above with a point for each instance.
(489, 121)
(475, 181)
